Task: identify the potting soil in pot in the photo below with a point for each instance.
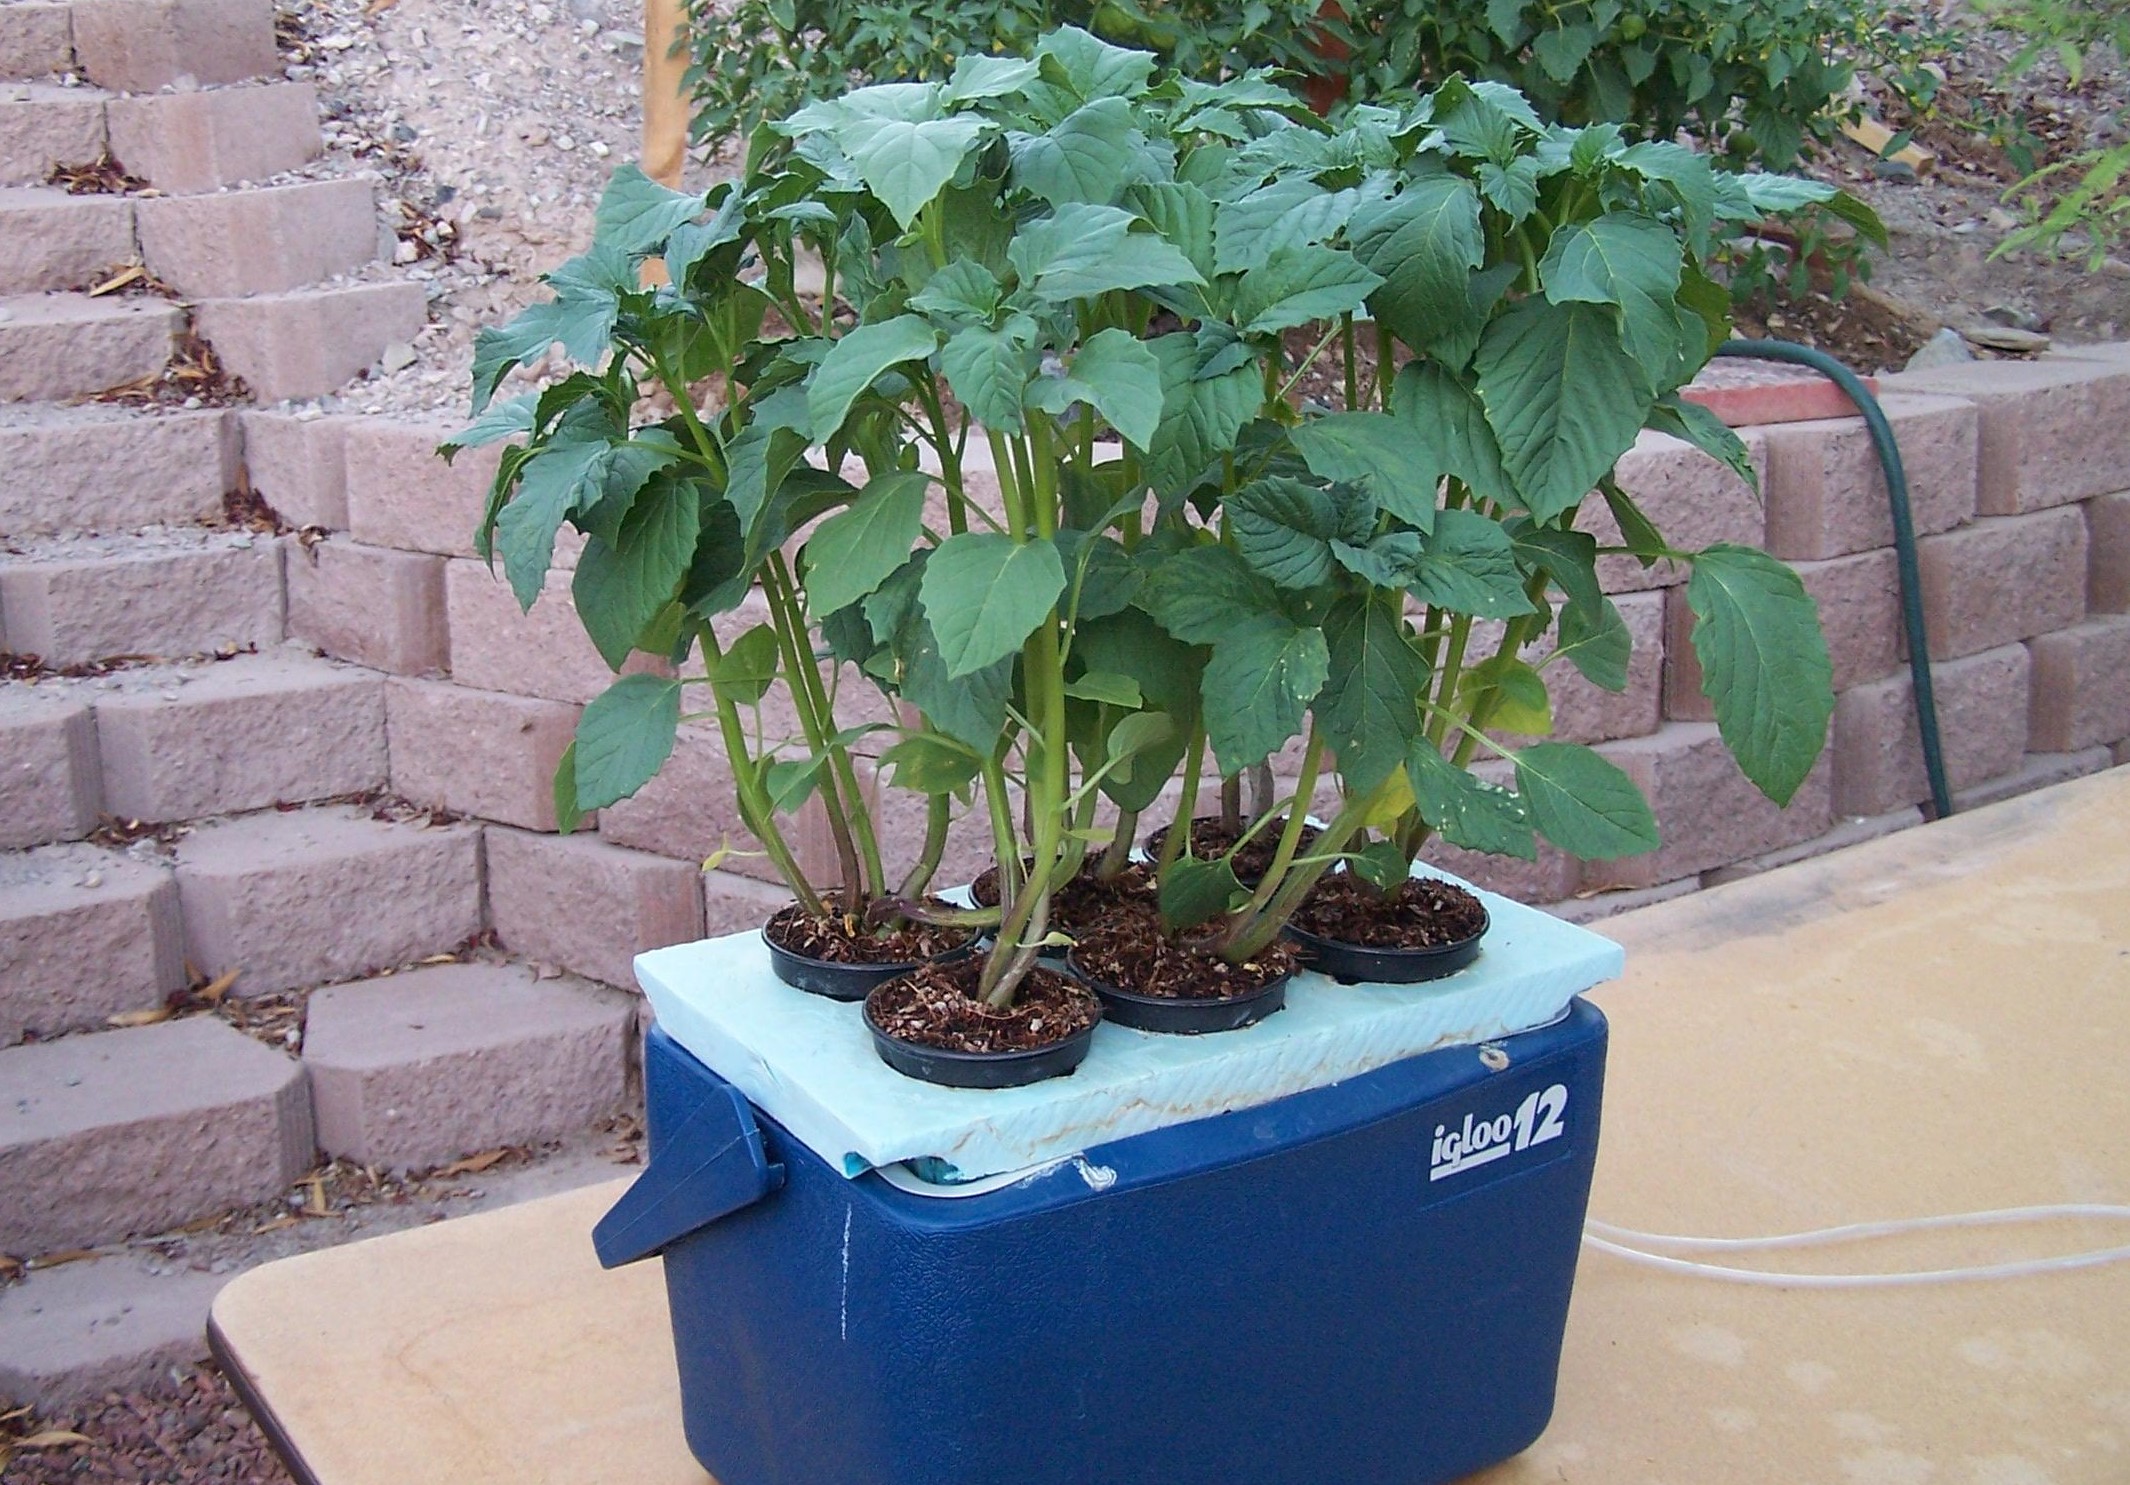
(809, 1062)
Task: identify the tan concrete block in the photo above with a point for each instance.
(2108, 553)
(2035, 771)
(495, 646)
(52, 241)
(2053, 431)
(478, 752)
(400, 494)
(103, 469)
(409, 1071)
(170, 601)
(1826, 490)
(589, 906)
(1850, 830)
(304, 897)
(50, 785)
(2081, 691)
(36, 39)
(1692, 499)
(244, 734)
(79, 1332)
(218, 137)
(260, 240)
(141, 46)
(42, 125)
(310, 342)
(1708, 813)
(84, 934)
(1982, 705)
(372, 605)
(297, 465)
(2003, 579)
(57, 347)
(127, 1132)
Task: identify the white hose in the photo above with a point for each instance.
(1607, 1238)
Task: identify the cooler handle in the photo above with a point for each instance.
(682, 1191)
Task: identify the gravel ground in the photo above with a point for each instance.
(198, 1431)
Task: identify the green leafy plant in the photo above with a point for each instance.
(1113, 280)
(2084, 196)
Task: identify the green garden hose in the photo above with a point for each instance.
(1904, 540)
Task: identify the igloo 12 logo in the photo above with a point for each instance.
(1539, 1118)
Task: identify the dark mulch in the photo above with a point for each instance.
(1133, 953)
(834, 939)
(1085, 901)
(1211, 839)
(934, 1006)
(1422, 914)
(197, 1431)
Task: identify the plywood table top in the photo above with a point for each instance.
(1935, 1022)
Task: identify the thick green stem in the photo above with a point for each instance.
(1353, 369)
(860, 815)
(938, 815)
(1250, 932)
(755, 810)
(1119, 853)
(1178, 838)
(789, 628)
(1290, 837)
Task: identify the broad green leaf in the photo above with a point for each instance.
(1518, 703)
(568, 814)
(1599, 645)
(1380, 864)
(1425, 242)
(1080, 251)
(856, 361)
(525, 339)
(984, 594)
(1264, 673)
(1200, 417)
(1136, 735)
(1115, 374)
(853, 550)
(1465, 810)
(748, 667)
(1445, 416)
(1583, 802)
(1382, 453)
(790, 781)
(989, 370)
(1195, 892)
(1563, 397)
(1092, 68)
(637, 213)
(1388, 561)
(1706, 432)
(562, 479)
(1106, 687)
(977, 76)
(930, 764)
(907, 163)
(689, 243)
(1284, 529)
(1687, 175)
(619, 589)
(1131, 644)
(1468, 566)
(1183, 214)
(1088, 157)
(625, 737)
(502, 420)
(1632, 263)
(970, 708)
(1100, 577)
(1764, 664)
(1300, 285)
(757, 460)
(964, 290)
(1511, 189)
(1292, 211)
(1561, 50)
(1369, 709)
(1199, 595)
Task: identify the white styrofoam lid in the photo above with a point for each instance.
(809, 1062)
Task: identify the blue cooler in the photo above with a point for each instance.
(1361, 1284)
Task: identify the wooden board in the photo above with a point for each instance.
(1935, 1022)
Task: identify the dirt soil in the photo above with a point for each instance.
(1131, 952)
(1421, 914)
(832, 941)
(935, 1006)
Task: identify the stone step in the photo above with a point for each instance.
(36, 39)
(85, 934)
(144, 46)
(43, 125)
(94, 468)
(311, 342)
(260, 239)
(184, 142)
(51, 788)
(55, 347)
(184, 742)
(118, 1133)
(410, 1070)
(308, 897)
(166, 592)
(50, 240)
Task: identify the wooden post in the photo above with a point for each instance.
(665, 98)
